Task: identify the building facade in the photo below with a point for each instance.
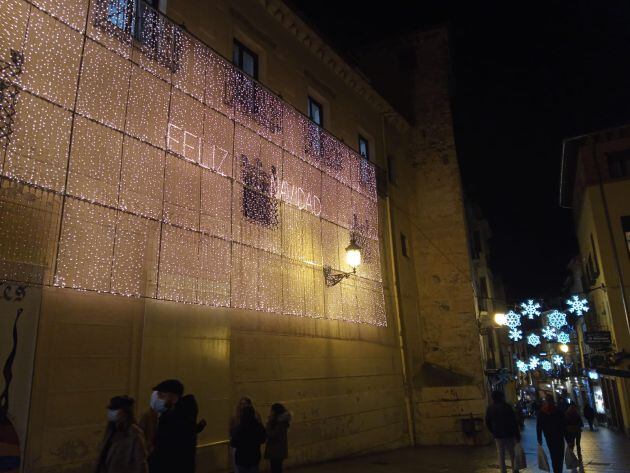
(595, 183)
(177, 179)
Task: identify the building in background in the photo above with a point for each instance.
(176, 202)
(595, 183)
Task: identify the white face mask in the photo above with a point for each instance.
(157, 404)
(112, 415)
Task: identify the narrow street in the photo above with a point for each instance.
(602, 451)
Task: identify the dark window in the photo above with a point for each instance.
(619, 164)
(365, 169)
(245, 59)
(476, 244)
(483, 293)
(403, 245)
(315, 111)
(391, 170)
(625, 224)
(364, 148)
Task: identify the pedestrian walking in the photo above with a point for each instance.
(246, 439)
(122, 449)
(502, 424)
(574, 426)
(175, 442)
(551, 422)
(589, 415)
(277, 447)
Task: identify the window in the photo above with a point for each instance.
(391, 170)
(625, 224)
(315, 111)
(403, 245)
(483, 293)
(476, 244)
(121, 14)
(364, 148)
(245, 59)
(619, 164)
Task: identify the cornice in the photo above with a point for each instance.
(329, 57)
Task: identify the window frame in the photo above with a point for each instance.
(363, 139)
(237, 60)
(311, 101)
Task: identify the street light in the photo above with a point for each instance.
(353, 259)
(564, 348)
(500, 319)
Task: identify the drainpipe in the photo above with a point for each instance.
(408, 389)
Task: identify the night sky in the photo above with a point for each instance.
(527, 75)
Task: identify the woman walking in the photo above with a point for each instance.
(246, 439)
(122, 450)
(574, 426)
(277, 447)
(551, 422)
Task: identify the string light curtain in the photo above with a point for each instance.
(141, 163)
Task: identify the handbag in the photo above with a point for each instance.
(543, 463)
(520, 462)
(570, 460)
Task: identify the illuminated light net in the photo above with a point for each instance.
(160, 171)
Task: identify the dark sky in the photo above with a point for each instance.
(527, 75)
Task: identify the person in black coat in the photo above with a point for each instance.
(589, 414)
(277, 447)
(502, 424)
(246, 438)
(552, 423)
(175, 441)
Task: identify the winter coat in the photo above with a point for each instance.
(246, 440)
(589, 413)
(122, 451)
(573, 421)
(277, 447)
(552, 423)
(501, 421)
(175, 442)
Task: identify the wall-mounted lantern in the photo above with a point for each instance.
(353, 259)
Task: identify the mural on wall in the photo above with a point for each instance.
(154, 168)
(19, 309)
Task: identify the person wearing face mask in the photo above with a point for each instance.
(175, 439)
(122, 449)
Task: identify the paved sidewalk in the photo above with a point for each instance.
(603, 451)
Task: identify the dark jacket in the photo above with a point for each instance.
(552, 423)
(175, 440)
(122, 451)
(501, 421)
(246, 440)
(277, 447)
(589, 413)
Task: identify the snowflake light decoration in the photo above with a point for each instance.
(512, 319)
(557, 360)
(563, 337)
(546, 365)
(522, 366)
(530, 309)
(515, 334)
(533, 362)
(549, 333)
(577, 305)
(533, 339)
(557, 319)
